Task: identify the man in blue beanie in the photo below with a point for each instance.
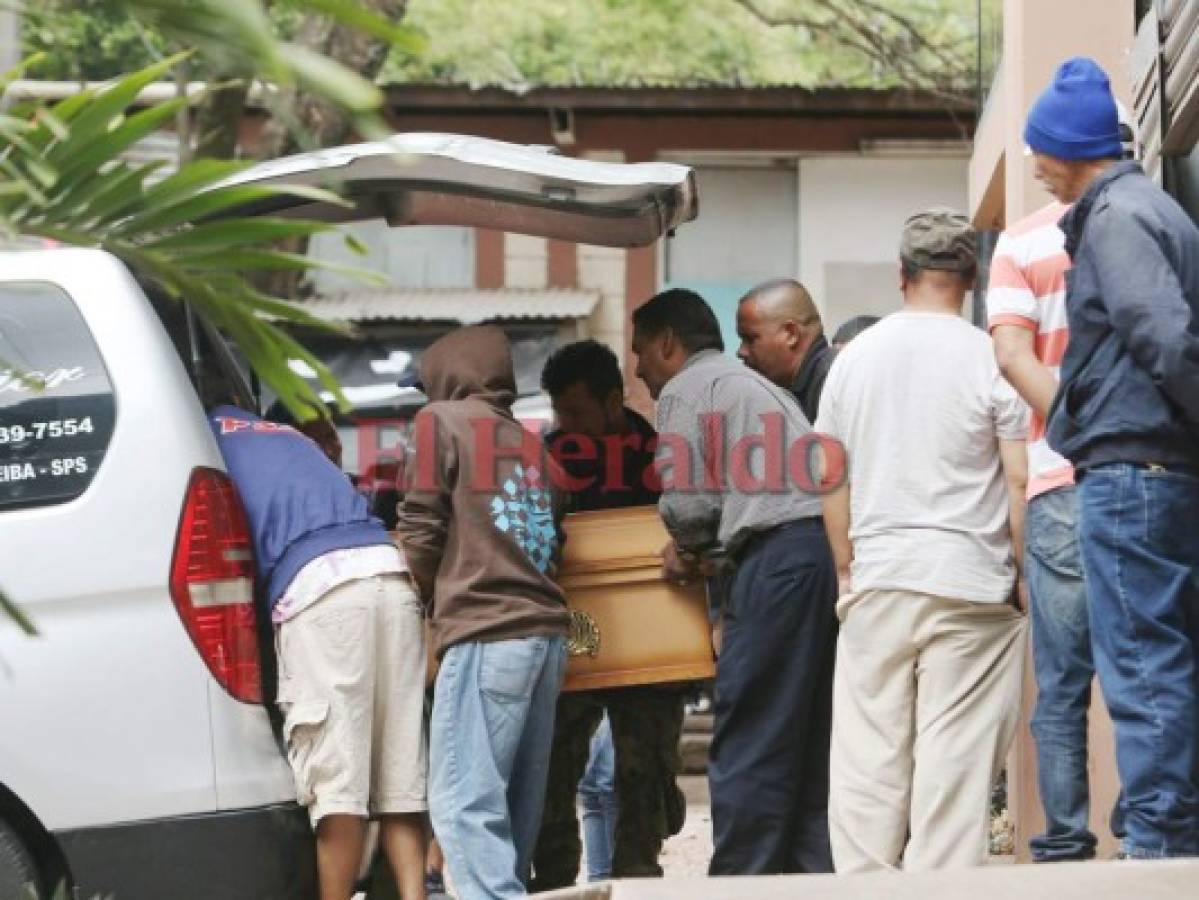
(1127, 416)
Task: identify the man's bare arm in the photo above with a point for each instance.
(1014, 457)
(1016, 354)
(836, 526)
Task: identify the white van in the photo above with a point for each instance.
(137, 755)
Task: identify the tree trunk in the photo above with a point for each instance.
(314, 119)
(219, 116)
(218, 121)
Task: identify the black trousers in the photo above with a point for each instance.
(768, 771)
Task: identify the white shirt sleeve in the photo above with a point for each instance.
(1011, 414)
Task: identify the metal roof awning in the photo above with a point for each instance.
(466, 306)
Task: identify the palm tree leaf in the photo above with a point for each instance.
(242, 259)
(355, 16)
(20, 185)
(292, 313)
(112, 194)
(196, 207)
(10, 609)
(237, 34)
(224, 233)
(98, 115)
(109, 146)
(22, 66)
(334, 80)
(50, 125)
(193, 177)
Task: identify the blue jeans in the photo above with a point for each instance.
(1061, 644)
(489, 750)
(1140, 546)
(597, 793)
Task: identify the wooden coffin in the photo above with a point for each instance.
(629, 626)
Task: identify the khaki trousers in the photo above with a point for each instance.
(925, 702)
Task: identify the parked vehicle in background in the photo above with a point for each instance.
(138, 757)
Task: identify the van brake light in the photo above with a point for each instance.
(212, 583)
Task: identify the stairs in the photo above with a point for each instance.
(696, 742)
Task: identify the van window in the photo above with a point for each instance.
(56, 402)
(211, 362)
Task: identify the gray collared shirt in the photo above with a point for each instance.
(732, 454)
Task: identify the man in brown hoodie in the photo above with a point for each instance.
(479, 527)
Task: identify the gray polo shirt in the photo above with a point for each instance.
(729, 442)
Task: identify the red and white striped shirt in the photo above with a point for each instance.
(1027, 288)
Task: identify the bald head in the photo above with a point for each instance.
(777, 323)
(782, 299)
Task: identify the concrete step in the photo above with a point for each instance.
(1156, 880)
(695, 748)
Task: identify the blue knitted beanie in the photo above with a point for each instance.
(1075, 117)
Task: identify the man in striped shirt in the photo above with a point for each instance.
(1026, 307)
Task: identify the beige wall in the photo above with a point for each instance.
(1038, 36)
(851, 212)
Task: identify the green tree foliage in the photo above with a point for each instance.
(88, 40)
(861, 43)
(520, 44)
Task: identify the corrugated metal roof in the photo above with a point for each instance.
(463, 305)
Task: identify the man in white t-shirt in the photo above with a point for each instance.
(925, 530)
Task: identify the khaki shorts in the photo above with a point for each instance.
(351, 687)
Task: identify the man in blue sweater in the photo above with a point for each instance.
(1127, 416)
(350, 646)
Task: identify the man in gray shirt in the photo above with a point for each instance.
(739, 503)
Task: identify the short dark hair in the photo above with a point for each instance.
(589, 362)
(851, 329)
(281, 415)
(911, 271)
(686, 313)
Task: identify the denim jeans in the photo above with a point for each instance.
(1140, 547)
(489, 750)
(1061, 644)
(597, 794)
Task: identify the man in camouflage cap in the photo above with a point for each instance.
(926, 531)
(940, 239)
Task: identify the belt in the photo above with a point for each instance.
(1159, 467)
(1181, 469)
(757, 538)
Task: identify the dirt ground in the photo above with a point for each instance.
(688, 852)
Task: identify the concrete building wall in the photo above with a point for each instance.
(1038, 35)
(851, 211)
(526, 261)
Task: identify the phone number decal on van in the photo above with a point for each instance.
(57, 468)
(37, 431)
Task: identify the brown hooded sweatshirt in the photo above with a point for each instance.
(478, 523)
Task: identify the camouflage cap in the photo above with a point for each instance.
(939, 238)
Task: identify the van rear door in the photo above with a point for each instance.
(448, 179)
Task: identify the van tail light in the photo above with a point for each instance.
(212, 583)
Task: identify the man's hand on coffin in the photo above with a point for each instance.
(679, 566)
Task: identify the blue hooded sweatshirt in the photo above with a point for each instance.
(298, 504)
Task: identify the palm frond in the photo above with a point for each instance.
(14, 612)
(187, 233)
